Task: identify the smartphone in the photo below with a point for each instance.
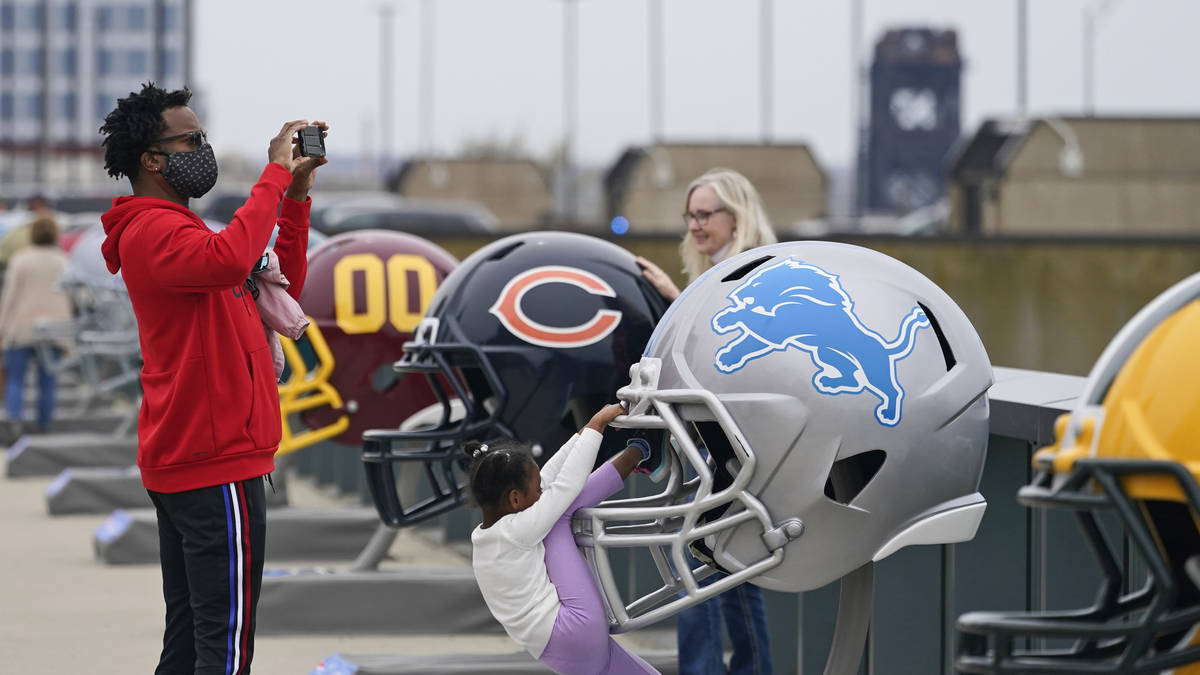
(312, 142)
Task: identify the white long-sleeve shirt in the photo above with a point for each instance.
(509, 558)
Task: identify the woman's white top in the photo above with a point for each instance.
(509, 558)
(721, 255)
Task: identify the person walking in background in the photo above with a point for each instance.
(31, 294)
(724, 216)
(21, 236)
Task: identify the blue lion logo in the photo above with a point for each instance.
(793, 304)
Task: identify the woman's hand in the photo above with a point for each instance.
(658, 279)
(605, 416)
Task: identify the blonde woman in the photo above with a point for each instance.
(724, 216)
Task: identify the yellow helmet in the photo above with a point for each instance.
(1150, 411)
(1131, 447)
(306, 387)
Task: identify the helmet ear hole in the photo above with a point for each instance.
(848, 477)
(746, 269)
(947, 353)
(500, 253)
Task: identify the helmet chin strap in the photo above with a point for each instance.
(855, 604)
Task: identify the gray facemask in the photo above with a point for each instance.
(192, 173)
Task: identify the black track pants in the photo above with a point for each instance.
(210, 543)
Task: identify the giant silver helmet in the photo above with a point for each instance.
(819, 406)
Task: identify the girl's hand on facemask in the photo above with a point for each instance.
(605, 416)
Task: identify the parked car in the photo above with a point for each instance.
(315, 238)
(83, 204)
(419, 218)
(221, 207)
(72, 226)
(326, 203)
(74, 201)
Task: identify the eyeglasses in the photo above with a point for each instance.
(701, 216)
(196, 139)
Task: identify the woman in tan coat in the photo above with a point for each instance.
(31, 294)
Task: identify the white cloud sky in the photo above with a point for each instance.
(498, 68)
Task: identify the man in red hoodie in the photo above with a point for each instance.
(209, 423)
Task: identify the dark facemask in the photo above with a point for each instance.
(192, 173)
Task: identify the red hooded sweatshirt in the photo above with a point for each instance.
(210, 405)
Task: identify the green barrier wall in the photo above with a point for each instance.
(1038, 303)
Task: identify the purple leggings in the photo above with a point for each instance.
(580, 643)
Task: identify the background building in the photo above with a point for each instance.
(1079, 176)
(516, 191)
(63, 64)
(648, 185)
(914, 120)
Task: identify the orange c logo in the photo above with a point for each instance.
(508, 308)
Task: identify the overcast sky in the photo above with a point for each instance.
(498, 68)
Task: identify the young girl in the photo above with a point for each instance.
(532, 576)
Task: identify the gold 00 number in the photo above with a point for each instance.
(387, 291)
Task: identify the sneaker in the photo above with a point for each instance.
(652, 463)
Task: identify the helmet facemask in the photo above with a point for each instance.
(1135, 623)
(1126, 452)
(468, 394)
(702, 502)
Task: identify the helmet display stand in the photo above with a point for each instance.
(855, 606)
(363, 599)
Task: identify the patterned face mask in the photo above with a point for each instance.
(192, 173)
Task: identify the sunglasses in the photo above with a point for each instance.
(196, 138)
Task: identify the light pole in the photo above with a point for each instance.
(766, 65)
(44, 137)
(570, 103)
(1092, 13)
(654, 35)
(1022, 56)
(858, 107)
(386, 12)
(425, 94)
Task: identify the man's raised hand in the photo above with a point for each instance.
(280, 150)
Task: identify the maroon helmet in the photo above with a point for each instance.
(366, 291)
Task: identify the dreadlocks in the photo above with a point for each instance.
(134, 124)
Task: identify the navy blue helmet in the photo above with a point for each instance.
(524, 340)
